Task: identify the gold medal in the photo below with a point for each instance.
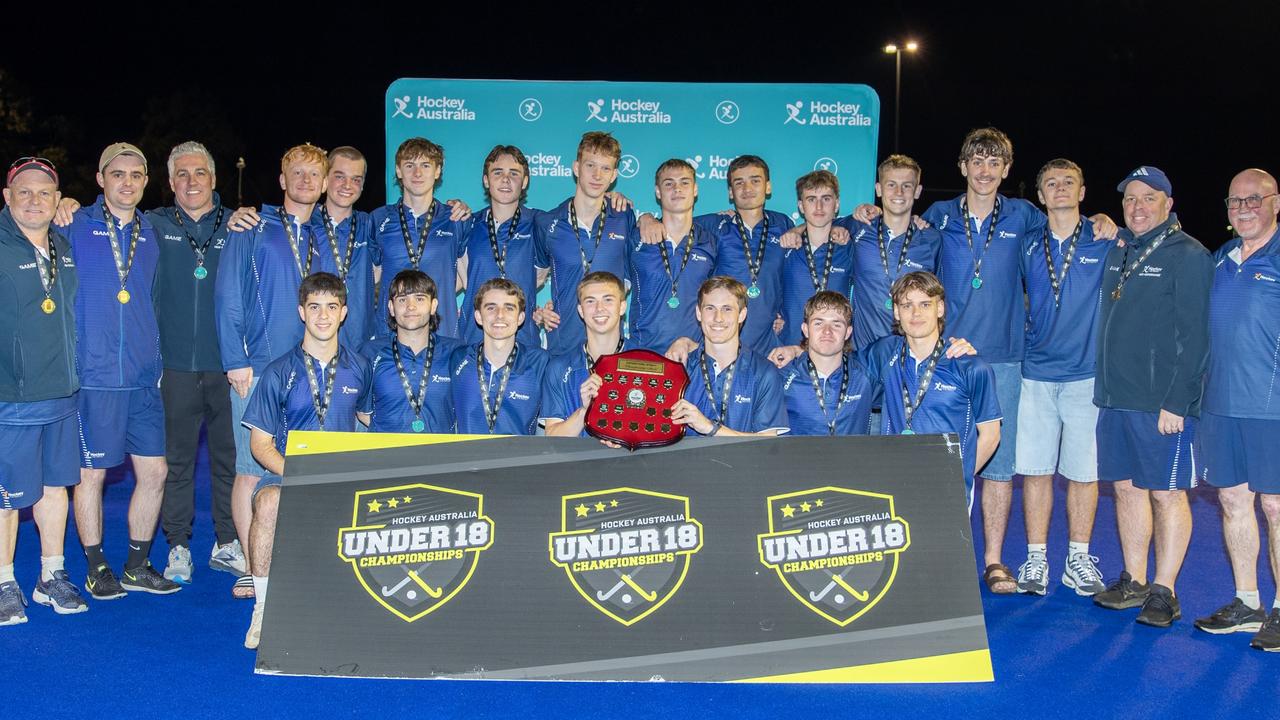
(123, 296)
(48, 306)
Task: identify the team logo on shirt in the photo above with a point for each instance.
(836, 550)
(626, 551)
(414, 547)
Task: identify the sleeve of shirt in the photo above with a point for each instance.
(263, 411)
(228, 299)
(769, 407)
(709, 224)
(933, 215)
(462, 232)
(982, 392)
(375, 247)
(1036, 223)
(872, 358)
(364, 403)
(554, 403)
(1191, 281)
(541, 242)
(931, 241)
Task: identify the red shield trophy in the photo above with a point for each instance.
(633, 407)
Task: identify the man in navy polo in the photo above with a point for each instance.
(317, 385)
(1240, 424)
(118, 353)
(1063, 268)
(819, 263)
(411, 394)
(497, 383)
(665, 276)
(570, 383)
(38, 383)
(1153, 346)
(732, 390)
(826, 388)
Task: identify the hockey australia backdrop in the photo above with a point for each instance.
(787, 560)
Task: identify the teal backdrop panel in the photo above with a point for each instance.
(796, 128)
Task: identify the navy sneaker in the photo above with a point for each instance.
(1122, 594)
(11, 604)
(146, 579)
(60, 594)
(1161, 608)
(1233, 617)
(1268, 638)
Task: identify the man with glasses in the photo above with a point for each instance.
(38, 386)
(1239, 427)
(1153, 345)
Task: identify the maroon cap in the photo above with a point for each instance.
(31, 163)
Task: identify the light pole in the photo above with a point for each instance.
(896, 51)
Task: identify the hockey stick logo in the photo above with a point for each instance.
(414, 547)
(626, 551)
(836, 550)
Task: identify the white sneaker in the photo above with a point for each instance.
(179, 569)
(228, 558)
(254, 635)
(1083, 575)
(1033, 576)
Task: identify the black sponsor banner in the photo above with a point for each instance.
(550, 558)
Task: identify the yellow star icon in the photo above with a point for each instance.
(407, 499)
(375, 506)
(613, 503)
(788, 511)
(818, 502)
(582, 510)
(392, 502)
(599, 507)
(805, 507)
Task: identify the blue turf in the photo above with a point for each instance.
(1056, 656)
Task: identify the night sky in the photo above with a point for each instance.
(1111, 85)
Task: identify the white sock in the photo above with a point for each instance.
(1251, 598)
(259, 589)
(1276, 605)
(1077, 548)
(50, 565)
(6, 573)
(1037, 549)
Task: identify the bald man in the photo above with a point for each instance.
(1241, 417)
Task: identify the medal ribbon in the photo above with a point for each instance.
(723, 409)
(817, 390)
(884, 243)
(596, 234)
(1056, 280)
(344, 264)
(968, 234)
(423, 230)
(123, 266)
(684, 261)
(491, 417)
(591, 363)
(415, 401)
(753, 263)
(294, 243)
(500, 253)
(818, 285)
(909, 408)
(321, 407)
(48, 273)
(1142, 257)
(199, 250)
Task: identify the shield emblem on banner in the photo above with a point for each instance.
(414, 547)
(626, 551)
(836, 550)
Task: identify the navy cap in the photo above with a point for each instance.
(1150, 175)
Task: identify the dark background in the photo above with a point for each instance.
(1109, 84)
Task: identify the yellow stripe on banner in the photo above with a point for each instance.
(311, 442)
(971, 666)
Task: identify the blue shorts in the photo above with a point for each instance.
(268, 480)
(1056, 426)
(1008, 391)
(33, 457)
(245, 464)
(1130, 447)
(116, 422)
(1239, 450)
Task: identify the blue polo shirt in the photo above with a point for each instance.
(654, 323)
(961, 395)
(731, 259)
(521, 399)
(806, 417)
(362, 317)
(1243, 379)
(994, 316)
(872, 320)
(391, 409)
(755, 398)
(561, 380)
(445, 243)
(256, 296)
(117, 344)
(561, 248)
(516, 247)
(282, 401)
(798, 287)
(1062, 340)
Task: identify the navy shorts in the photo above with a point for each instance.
(116, 422)
(1234, 451)
(33, 457)
(1130, 447)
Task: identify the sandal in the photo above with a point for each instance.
(243, 589)
(999, 579)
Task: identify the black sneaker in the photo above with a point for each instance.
(1233, 617)
(102, 584)
(1268, 638)
(1122, 594)
(146, 579)
(1161, 607)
